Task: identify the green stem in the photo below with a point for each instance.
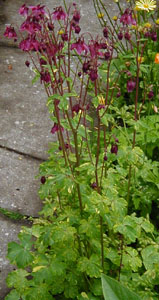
(102, 243)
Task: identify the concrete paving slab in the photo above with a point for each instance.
(18, 186)
(25, 124)
(9, 232)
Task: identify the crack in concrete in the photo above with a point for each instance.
(26, 155)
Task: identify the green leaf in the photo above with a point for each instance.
(90, 266)
(19, 255)
(150, 257)
(113, 290)
(36, 78)
(17, 279)
(13, 295)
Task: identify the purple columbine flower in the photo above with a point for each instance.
(107, 55)
(43, 62)
(86, 67)
(45, 76)
(30, 26)
(50, 26)
(93, 75)
(23, 10)
(29, 44)
(103, 45)
(150, 94)
(76, 108)
(127, 18)
(114, 149)
(130, 85)
(55, 128)
(154, 36)
(120, 35)
(76, 16)
(59, 14)
(105, 157)
(38, 11)
(64, 37)
(105, 32)
(127, 36)
(80, 46)
(118, 94)
(100, 106)
(94, 185)
(10, 32)
(77, 29)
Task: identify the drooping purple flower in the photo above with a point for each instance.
(105, 157)
(118, 94)
(154, 36)
(103, 45)
(23, 10)
(105, 32)
(77, 29)
(147, 34)
(55, 128)
(127, 36)
(86, 66)
(67, 146)
(94, 185)
(51, 49)
(29, 44)
(76, 108)
(43, 62)
(94, 48)
(127, 18)
(30, 26)
(150, 94)
(76, 16)
(38, 11)
(80, 46)
(10, 32)
(64, 36)
(114, 149)
(130, 85)
(79, 74)
(45, 76)
(93, 75)
(43, 179)
(120, 35)
(107, 55)
(50, 26)
(100, 106)
(59, 14)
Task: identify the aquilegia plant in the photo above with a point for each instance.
(100, 184)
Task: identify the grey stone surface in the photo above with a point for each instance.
(24, 124)
(18, 186)
(19, 192)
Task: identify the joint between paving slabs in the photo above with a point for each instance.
(26, 155)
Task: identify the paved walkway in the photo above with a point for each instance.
(24, 126)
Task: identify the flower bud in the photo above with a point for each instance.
(43, 179)
(105, 32)
(114, 149)
(120, 36)
(150, 94)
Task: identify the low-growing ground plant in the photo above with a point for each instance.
(100, 185)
